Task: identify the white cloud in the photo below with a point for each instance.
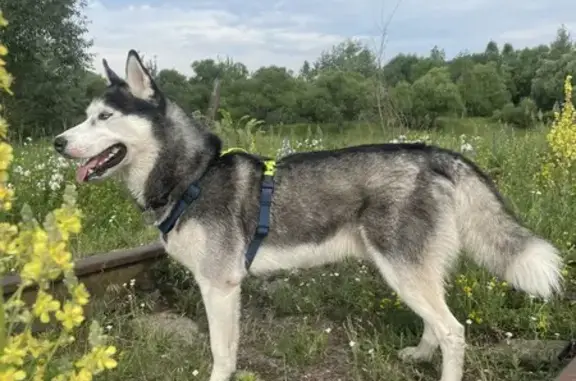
(178, 36)
(541, 33)
(286, 33)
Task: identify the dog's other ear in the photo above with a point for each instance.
(140, 81)
(111, 77)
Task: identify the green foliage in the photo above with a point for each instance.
(49, 60)
(346, 83)
(433, 95)
(483, 89)
(524, 115)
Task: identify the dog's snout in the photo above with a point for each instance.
(60, 144)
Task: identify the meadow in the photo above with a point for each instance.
(339, 322)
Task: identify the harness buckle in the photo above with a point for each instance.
(262, 230)
(191, 194)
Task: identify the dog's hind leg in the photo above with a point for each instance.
(222, 304)
(425, 349)
(420, 285)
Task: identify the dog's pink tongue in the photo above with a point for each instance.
(82, 171)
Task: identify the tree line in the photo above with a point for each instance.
(53, 80)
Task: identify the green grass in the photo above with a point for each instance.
(339, 321)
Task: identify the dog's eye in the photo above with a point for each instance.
(104, 115)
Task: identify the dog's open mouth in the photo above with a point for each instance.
(96, 166)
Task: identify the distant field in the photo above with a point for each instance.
(338, 322)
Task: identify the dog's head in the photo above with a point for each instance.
(119, 125)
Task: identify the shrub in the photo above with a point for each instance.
(557, 168)
(523, 115)
(562, 135)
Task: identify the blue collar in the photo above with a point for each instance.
(193, 192)
(190, 195)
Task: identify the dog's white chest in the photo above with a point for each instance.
(187, 245)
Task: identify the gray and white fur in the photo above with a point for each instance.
(408, 208)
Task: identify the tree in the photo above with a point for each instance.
(562, 44)
(306, 71)
(205, 74)
(400, 68)
(547, 82)
(347, 92)
(48, 59)
(402, 99)
(461, 64)
(434, 95)
(492, 52)
(176, 86)
(483, 90)
(348, 56)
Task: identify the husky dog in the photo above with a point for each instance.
(408, 208)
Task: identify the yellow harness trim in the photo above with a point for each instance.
(269, 165)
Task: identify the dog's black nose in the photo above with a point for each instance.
(60, 144)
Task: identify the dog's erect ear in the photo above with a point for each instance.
(111, 77)
(139, 79)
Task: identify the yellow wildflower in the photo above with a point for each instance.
(3, 128)
(67, 221)
(14, 351)
(32, 271)
(3, 21)
(71, 315)
(37, 347)
(40, 373)
(103, 357)
(39, 243)
(80, 294)
(98, 360)
(562, 135)
(7, 233)
(6, 194)
(12, 374)
(475, 317)
(61, 257)
(6, 155)
(81, 375)
(45, 304)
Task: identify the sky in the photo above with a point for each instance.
(287, 32)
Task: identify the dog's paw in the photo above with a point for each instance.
(413, 354)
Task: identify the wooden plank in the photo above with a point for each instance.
(569, 373)
(98, 272)
(98, 263)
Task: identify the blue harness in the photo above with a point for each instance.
(266, 190)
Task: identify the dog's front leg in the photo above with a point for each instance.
(222, 304)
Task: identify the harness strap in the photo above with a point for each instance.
(192, 193)
(262, 229)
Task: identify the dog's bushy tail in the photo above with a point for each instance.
(495, 239)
